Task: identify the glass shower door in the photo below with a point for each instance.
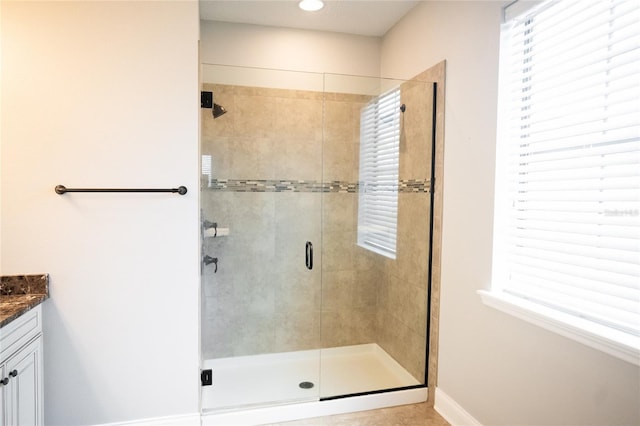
(316, 223)
(377, 161)
(261, 215)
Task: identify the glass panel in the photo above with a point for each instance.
(261, 183)
(374, 308)
(280, 168)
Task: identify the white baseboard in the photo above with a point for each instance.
(452, 411)
(182, 420)
(306, 410)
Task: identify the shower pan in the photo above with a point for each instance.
(320, 190)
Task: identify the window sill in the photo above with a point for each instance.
(618, 344)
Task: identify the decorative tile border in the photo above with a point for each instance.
(415, 185)
(266, 185)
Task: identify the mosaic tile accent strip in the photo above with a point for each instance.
(343, 187)
(266, 185)
(415, 185)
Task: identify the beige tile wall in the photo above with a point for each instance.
(263, 299)
(437, 74)
(349, 296)
(402, 295)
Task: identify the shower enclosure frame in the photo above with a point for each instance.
(435, 76)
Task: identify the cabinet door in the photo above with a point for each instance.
(3, 393)
(24, 402)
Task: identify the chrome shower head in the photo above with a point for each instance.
(218, 110)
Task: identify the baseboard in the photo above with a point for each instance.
(306, 410)
(452, 412)
(182, 420)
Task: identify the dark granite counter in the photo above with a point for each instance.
(20, 293)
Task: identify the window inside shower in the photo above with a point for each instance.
(293, 309)
(378, 178)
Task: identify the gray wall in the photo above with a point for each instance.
(104, 94)
(246, 45)
(498, 368)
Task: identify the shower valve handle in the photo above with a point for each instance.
(208, 260)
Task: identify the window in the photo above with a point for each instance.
(567, 217)
(379, 157)
(205, 164)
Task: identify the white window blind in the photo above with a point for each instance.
(205, 163)
(567, 232)
(379, 159)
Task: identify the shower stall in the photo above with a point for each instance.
(316, 212)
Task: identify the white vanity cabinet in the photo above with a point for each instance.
(21, 394)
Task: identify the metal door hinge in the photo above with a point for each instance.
(206, 99)
(206, 377)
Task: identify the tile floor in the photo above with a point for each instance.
(405, 415)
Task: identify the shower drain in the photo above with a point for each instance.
(306, 385)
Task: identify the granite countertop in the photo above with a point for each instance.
(20, 293)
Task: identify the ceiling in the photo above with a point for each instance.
(362, 17)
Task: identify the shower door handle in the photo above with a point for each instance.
(309, 255)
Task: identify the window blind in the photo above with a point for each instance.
(569, 228)
(379, 160)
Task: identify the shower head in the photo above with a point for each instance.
(218, 110)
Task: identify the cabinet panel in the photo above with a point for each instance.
(3, 397)
(24, 391)
(21, 392)
(20, 331)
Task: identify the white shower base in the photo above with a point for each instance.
(265, 388)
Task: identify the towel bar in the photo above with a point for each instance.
(61, 189)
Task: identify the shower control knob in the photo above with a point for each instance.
(208, 260)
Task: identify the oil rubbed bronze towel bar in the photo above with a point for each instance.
(61, 189)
